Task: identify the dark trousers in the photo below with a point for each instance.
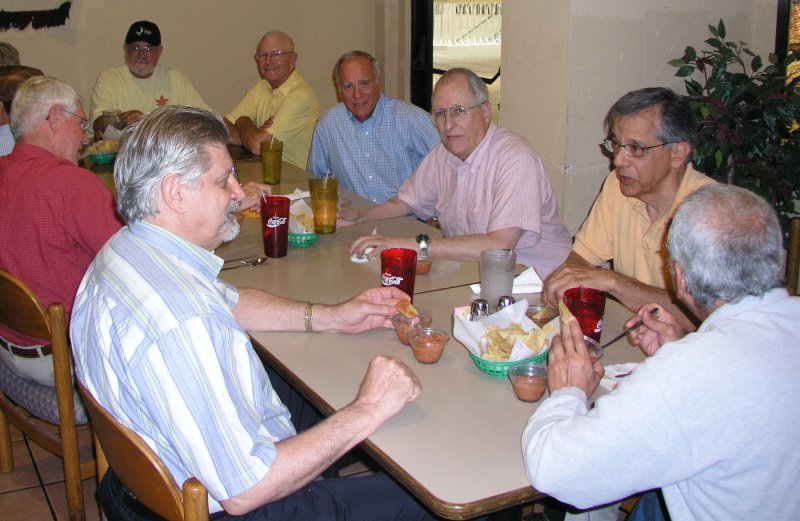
(370, 498)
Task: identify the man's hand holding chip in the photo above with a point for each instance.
(569, 363)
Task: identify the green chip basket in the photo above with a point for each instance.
(104, 158)
(302, 239)
(499, 369)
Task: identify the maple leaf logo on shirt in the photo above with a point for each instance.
(162, 101)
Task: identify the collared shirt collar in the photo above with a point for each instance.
(374, 119)
(198, 258)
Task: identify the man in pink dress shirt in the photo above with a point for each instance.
(484, 185)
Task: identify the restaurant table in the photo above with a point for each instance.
(323, 272)
(457, 447)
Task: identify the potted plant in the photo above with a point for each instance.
(747, 114)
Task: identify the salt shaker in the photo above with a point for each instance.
(478, 309)
(504, 301)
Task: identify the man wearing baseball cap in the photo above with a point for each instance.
(141, 84)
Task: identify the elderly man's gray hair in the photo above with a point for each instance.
(171, 140)
(728, 243)
(480, 93)
(35, 98)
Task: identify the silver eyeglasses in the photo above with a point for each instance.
(631, 149)
(84, 121)
(456, 112)
(135, 49)
(272, 55)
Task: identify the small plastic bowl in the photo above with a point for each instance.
(428, 344)
(593, 347)
(404, 325)
(541, 314)
(424, 266)
(529, 380)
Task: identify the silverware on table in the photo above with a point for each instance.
(250, 263)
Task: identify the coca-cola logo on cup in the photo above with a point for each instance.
(274, 222)
(388, 279)
(599, 327)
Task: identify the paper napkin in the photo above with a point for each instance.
(526, 282)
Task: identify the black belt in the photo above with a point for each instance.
(27, 352)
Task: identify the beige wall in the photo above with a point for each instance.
(211, 41)
(564, 64)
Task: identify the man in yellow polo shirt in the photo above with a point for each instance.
(650, 136)
(282, 104)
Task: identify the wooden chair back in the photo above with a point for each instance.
(141, 470)
(21, 311)
(793, 256)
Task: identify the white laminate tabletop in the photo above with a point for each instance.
(457, 447)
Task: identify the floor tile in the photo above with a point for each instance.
(25, 505)
(23, 475)
(58, 498)
(51, 467)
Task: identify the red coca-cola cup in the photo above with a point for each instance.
(588, 306)
(275, 225)
(399, 268)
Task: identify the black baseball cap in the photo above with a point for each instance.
(144, 31)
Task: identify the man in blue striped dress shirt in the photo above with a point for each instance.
(162, 344)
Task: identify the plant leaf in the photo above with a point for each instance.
(690, 52)
(677, 62)
(685, 70)
(721, 28)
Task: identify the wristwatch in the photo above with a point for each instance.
(424, 241)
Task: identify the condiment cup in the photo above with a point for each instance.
(541, 314)
(594, 348)
(427, 344)
(529, 380)
(423, 266)
(403, 325)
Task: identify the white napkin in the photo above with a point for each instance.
(470, 332)
(299, 207)
(614, 372)
(526, 282)
(360, 260)
(298, 194)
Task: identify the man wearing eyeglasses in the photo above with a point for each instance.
(54, 215)
(141, 84)
(484, 185)
(282, 105)
(650, 135)
(370, 142)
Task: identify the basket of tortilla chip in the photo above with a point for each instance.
(502, 339)
(103, 152)
(301, 225)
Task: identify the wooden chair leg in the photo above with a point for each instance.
(6, 457)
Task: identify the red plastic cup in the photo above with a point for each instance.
(399, 268)
(588, 306)
(275, 225)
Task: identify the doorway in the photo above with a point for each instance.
(453, 33)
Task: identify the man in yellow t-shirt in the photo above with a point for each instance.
(650, 136)
(280, 105)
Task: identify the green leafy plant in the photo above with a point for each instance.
(747, 118)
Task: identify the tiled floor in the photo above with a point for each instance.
(34, 491)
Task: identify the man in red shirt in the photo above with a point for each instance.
(54, 215)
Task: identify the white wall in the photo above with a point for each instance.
(565, 63)
(211, 41)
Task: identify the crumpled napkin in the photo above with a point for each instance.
(526, 282)
(611, 378)
(360, 260)
(471, 333)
